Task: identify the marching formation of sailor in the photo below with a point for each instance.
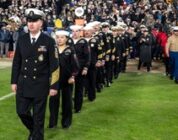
(75, 62)
(82, 61)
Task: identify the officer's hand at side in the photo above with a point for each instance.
(167, 54)
(103, 63)
(52, 92)
(84, 72)
(14, 88)
(113, 58)
(98, 64)
(71, 80)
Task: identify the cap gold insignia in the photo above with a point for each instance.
(31, 13)
(41, 58)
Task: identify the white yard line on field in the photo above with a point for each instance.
(4, 67)
(6, 96)
(5, 64)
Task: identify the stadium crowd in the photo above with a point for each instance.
(109, 33)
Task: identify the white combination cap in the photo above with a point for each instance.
(113, 28)
(88, 27)
(62, 32)
(76, 27)
(34, 14)
(105, 24)
(175, 28)
(120, 28)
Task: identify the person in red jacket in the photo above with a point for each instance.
(162, 40)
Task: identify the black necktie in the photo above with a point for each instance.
(33, 41)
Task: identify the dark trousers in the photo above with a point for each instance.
(78, 97)
(103, 75)
(54, 102)
(108, 67)
(148, 65)
(157, 52)
(99, 80)
(166, 63)
(91, 83)
(112, 70)
(116, 69)
(67, 105)
(34, 121)
(123, 64)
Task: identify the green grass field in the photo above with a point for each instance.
(136, 107)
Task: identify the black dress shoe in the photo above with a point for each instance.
(98, 89)
(77, 111)
(52, 126)
(116, 76)
(176, 81)
(30, 137)
(108, 84)
(65, 126)
(91, 100)
(171, 77)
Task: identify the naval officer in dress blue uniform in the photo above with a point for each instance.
(35, 74)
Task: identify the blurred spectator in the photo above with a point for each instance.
(5, 37)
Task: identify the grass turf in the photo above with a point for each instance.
(136, 107)
(5, 81)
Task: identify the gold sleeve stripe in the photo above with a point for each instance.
(100, 56)
(55, 76)
(109, 51)
(99, 48)
(114, 50)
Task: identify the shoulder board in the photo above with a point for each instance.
(93, 40)
(82, 41)
(100, 34)
(70, 40)
(68, 50)
(97, 37)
